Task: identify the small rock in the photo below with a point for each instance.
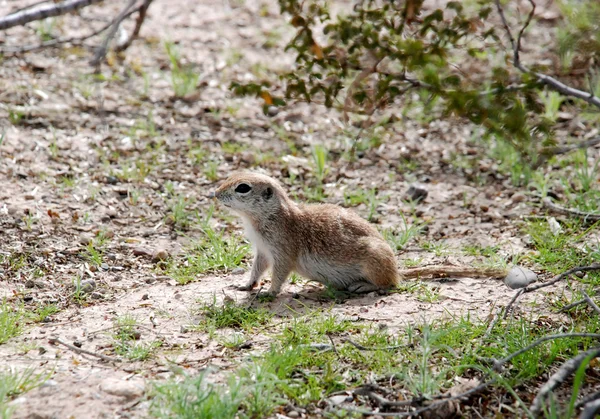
(86, 239)
(580, 274)
(238, 271)
(49, 383)
(293, 414)
(87, 286)
(141, 251)
(111, 256)
(248, 157)
(111, 180)
(150, 280)
(335, 400)
(159, 255)
(555, 227)
(519, 277)
(97, 295)
(415, 193)
(127, 389)
(104, 266)
(30, 283)
(518, 197)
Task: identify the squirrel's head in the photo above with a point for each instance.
(252, 194)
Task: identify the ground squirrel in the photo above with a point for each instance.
(322, 242)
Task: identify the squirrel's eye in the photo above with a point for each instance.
(243, 188)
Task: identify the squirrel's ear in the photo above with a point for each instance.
(267, 193)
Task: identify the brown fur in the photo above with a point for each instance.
(322, 242)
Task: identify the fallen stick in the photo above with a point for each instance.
(26, 16)
(83, 351)
(591, 302)
(74, 40)
(586, 216)
(559, 377)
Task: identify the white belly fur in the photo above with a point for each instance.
(257, 242)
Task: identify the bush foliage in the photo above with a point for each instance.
(455, 61)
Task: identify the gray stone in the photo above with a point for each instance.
(238, 271)
(87, 286)
(416, 193)
(519, 277)
(127, 389)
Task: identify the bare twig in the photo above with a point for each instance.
(364, 348)
(545, 339)
(586, 216)
(83, 351)
(103, 48)
(74, 40)
(559, 377)
(418, 412)
(509, 306)
(589, 398)
(25, 16)
(572, 305)
(557, 278)
(334, 347)
(591, 302)
(142, 9)
(590, 410)
(553, 151)
(492, 324)
(542, 78)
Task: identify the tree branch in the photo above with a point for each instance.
(142, 9)
(25, 16)
(586, 216)
(75, 40)
(542, 78)
(103, 48)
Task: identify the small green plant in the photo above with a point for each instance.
(45, 28)
(438, 248)
(231, 315)
(398, 239)
(319, 154)
(40, 314)
(212, 251)
(15, 117)
(183, 77)
(93, 254)
(79, 295)
(179, 215)
(197, 397)
(14, 383)
(211, 170)
(11, 321)
(134, 196)
(552, 102)
(126, 340)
